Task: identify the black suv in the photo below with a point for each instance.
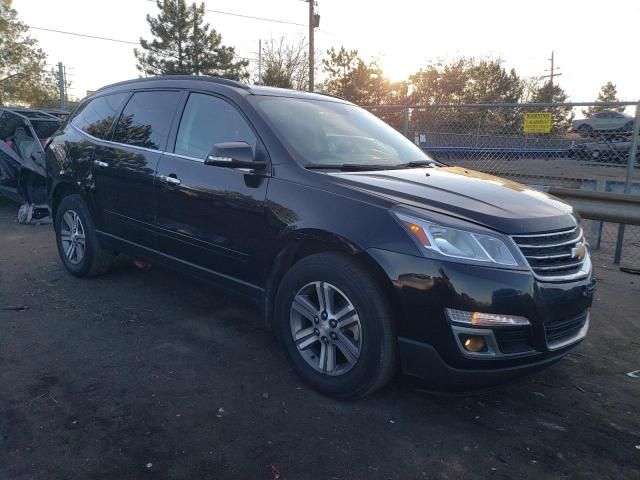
(365, 254)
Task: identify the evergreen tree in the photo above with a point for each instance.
(24, 79)
(351, 78)
(550, 92)
(183, 44)
(466, 81)
(608, 93)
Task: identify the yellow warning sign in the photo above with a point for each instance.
(537, 122)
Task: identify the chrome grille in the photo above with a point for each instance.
(554, 256)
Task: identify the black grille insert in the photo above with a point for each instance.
(514, 339)
(559, 331)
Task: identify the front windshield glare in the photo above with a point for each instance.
(331, 133)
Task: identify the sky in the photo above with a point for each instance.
(594, 41)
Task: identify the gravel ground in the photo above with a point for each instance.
(149, 374)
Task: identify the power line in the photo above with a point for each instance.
(96, 37)
(251, 17)
(85, 35)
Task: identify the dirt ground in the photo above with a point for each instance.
(149, 374)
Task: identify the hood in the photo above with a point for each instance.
(493, 202)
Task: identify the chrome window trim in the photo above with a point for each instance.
(185, 157)
(161, 152)
(111, 142)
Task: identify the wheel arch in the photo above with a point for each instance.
(302, 243)
(61, 190)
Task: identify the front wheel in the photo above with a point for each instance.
(78, 245)
(335, 324)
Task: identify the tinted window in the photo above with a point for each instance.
(146, 119)
(97, 115)
(209, 120)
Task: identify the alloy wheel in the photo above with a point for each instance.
(72, 236)
(326, 328)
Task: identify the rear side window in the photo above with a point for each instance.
(209, 120)
(97, 115)
(146, 119)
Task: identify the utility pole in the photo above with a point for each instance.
(260, 62)
(314, 22)
(552, 73)
(61, 86)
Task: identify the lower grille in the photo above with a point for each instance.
(513, 339)
(563, 332)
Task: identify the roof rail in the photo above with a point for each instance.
(201, 78)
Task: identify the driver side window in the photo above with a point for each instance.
(208, 120)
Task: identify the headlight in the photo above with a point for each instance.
(457, 243)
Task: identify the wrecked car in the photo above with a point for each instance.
(23, 136)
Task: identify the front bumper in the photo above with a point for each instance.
(429, 349)
(423, 361)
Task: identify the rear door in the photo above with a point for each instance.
(124, 168)
(211, 216)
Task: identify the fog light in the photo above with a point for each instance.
(479, 319)
(474, 343)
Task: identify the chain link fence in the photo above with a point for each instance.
(587, 146)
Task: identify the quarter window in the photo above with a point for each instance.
(208, 120)
(146, 119)
(96, 116)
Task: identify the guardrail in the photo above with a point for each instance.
(619, 208)
(603, 206)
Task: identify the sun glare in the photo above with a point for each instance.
(397, 68)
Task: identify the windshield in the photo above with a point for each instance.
(325, 133)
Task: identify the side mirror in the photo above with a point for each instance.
(233, 155)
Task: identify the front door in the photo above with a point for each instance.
(124, 168)
(212, 217)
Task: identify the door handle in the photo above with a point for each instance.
(169, 180)
(100, 163)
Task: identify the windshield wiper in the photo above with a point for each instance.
(350, 167)
(418, 163)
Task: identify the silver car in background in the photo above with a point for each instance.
(603, 122)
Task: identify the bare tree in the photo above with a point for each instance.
(285, 64)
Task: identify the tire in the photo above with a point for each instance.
(88, 258)
(585, 130)
(365, 347)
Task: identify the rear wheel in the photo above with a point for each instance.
(335, 324)
(78, 244)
